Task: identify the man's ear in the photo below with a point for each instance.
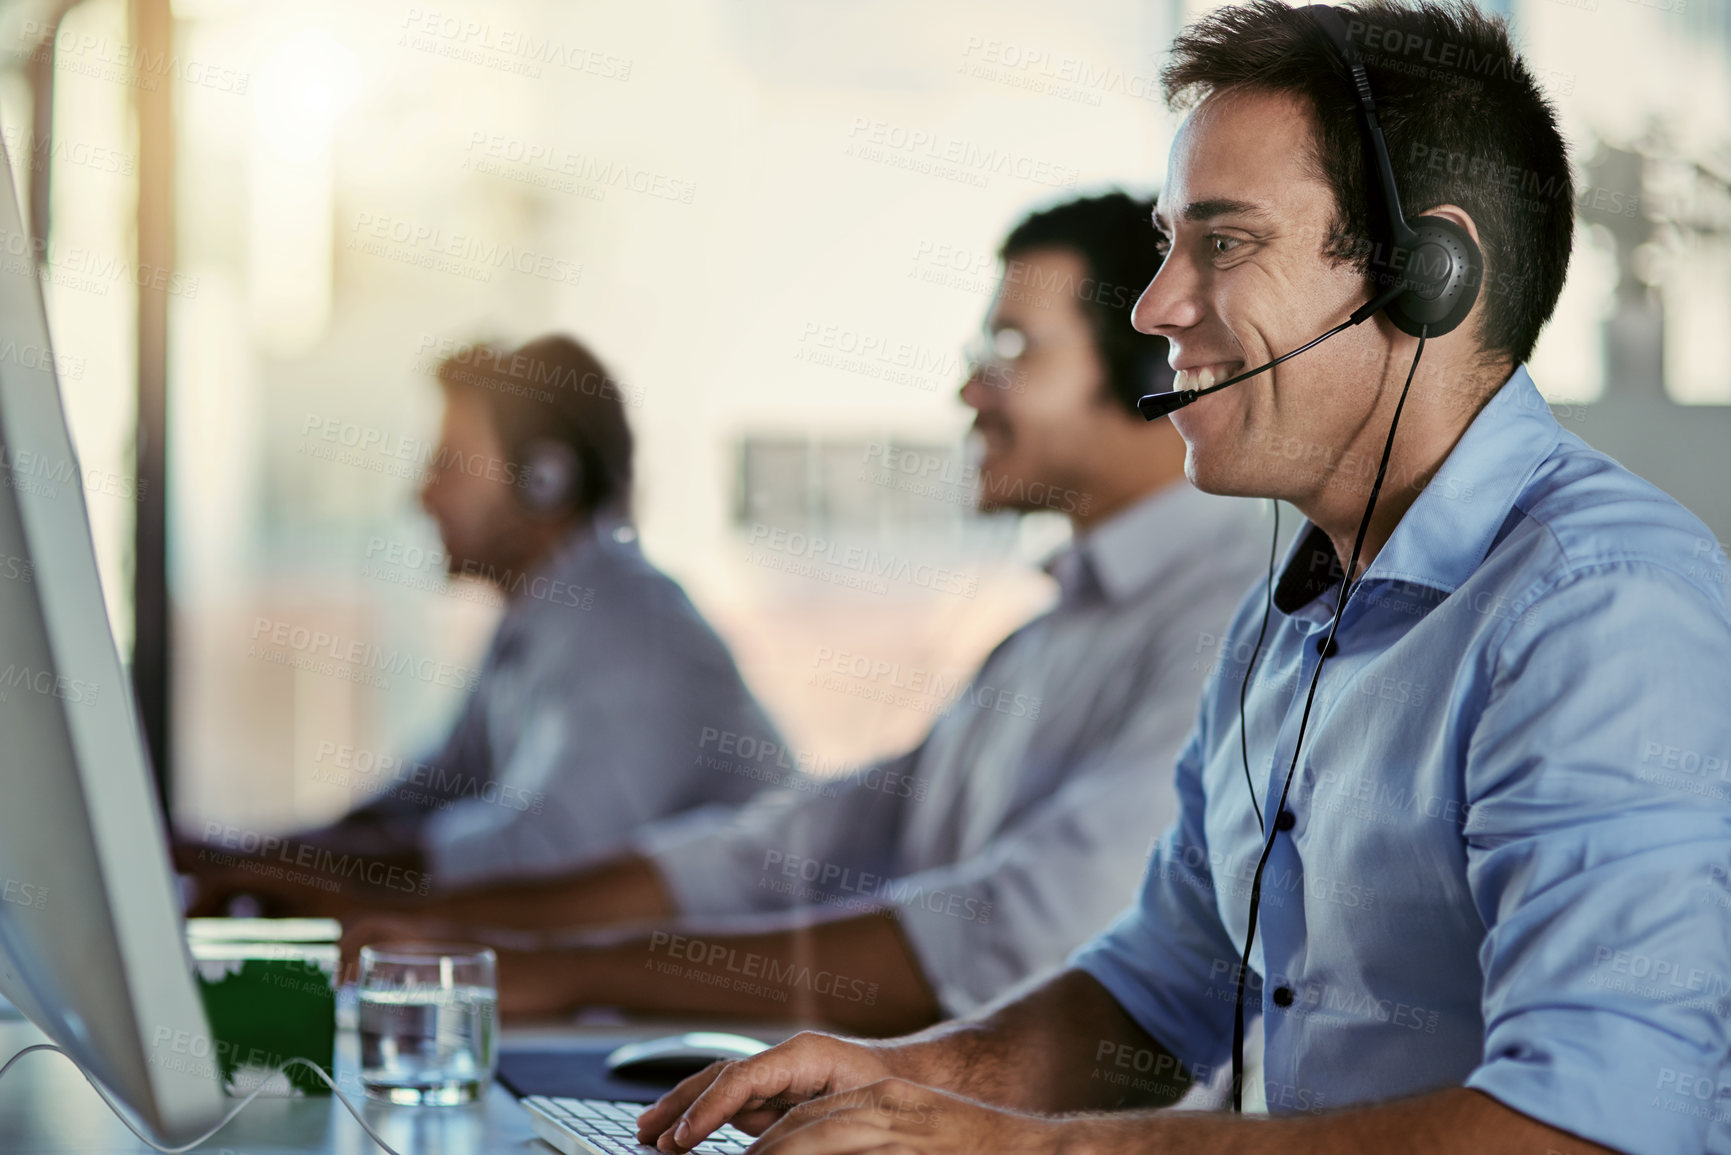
(1459, 216)
(1474, 322)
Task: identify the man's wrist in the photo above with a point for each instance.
(958, 1056)
(1153, 1131)
(1077, 1136)
(930, 1062)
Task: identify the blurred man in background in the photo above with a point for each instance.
(587, 717)
(932, 882)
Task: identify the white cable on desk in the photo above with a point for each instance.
(238, 1107)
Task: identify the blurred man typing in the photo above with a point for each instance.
(602, 679)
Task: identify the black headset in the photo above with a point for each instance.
(1434, 261)
(552, 476)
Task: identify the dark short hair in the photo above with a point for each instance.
(1465, 121)
(1112, 235)
(552, 389)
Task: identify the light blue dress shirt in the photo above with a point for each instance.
(1511, 825)
(1020, 825)
(598, 697)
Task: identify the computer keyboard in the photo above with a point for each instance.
(602, 1127)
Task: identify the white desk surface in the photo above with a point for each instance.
(46, 1106)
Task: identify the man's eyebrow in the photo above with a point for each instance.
(1217, 207)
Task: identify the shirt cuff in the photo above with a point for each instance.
(698, 864)
(476, 844)
(1598, 1075)
(956, 950)
(452, 861)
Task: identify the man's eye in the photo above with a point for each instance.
(1221, 245)
(1008, 343)
(1162, 246)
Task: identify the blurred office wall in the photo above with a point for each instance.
(775, 220)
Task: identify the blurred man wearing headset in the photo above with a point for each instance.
(587, 716)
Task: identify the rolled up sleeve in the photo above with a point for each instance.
(583, 770)
(506, 828)
(1599, 839)
(745, 860)
(1056, 877)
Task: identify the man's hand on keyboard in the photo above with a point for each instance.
(898, 1115)
(753, 1093)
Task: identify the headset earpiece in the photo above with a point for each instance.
(1443, 268)
(1435, 257)
(551, 480)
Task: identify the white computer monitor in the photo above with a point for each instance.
(92, 947)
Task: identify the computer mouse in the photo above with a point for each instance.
(673, 1057)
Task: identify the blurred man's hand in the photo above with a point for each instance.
(219, 877)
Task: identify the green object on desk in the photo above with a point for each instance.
(269, 991)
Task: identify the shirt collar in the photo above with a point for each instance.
(1129, 551)
(580, 557)
(573, 553)
(1448, 530)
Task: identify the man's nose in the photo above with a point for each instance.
(1171, 303)
(977, 392)
(424, 492)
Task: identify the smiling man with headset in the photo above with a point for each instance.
(1427, 828)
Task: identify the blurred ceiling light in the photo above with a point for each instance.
(304, 85)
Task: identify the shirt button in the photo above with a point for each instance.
(1327, 647)
(1285, 820)
(1283, 996)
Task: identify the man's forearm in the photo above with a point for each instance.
(623, 889)
(1456, 1121)
(306, 885)
(1064, 1046)
(857, 974)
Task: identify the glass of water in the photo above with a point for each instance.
(429, 1022)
